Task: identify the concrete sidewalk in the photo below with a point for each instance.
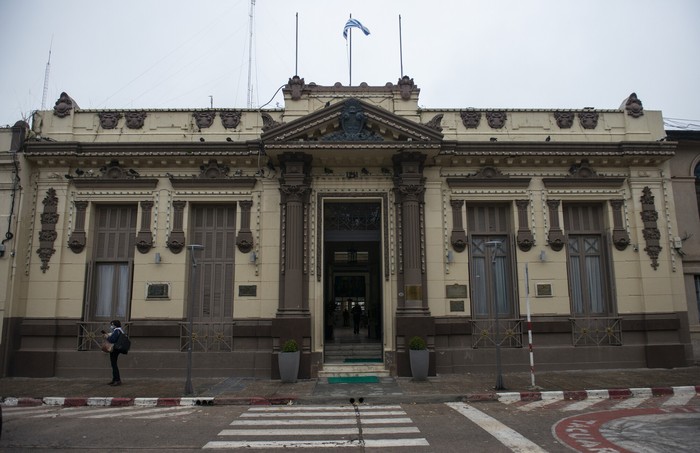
(619, 383)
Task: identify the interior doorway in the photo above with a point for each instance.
(352, 285)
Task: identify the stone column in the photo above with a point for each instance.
(295, 189)
(409, 188)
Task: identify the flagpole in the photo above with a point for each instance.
(296, 57)
(400, 46)
(350, 30)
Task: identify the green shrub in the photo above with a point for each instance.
(290, 346)
(417, 343)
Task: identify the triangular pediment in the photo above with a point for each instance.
(351, 120)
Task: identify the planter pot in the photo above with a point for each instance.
(420, 359)
(289, 366)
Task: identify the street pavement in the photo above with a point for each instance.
(572, 385)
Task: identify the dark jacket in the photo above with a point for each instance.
(114, 336)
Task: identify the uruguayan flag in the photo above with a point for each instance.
(354, 23)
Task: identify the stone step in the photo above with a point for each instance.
(354, 369)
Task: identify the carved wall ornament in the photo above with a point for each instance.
(651, 232)
(109, 120)
(556, 239)
(176, 241)
(434, 123)
(64, 105)
(244, 240)
(296, 84)
(496, 119)
(135, 120)
(114, 170)
(458, 239)
(230, 119)
(488, 173)
(77, 239)
(564, 119)
(48, 234)
(470, 118)
(353, 120)
(268, 121)
(582, 170)
(213, 169)
(204, 119)
(588, 119)
(634, 106)
(525, 238)
(144, 238)
(620, 237)
(406, 87)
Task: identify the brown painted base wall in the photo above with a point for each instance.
(46, 348)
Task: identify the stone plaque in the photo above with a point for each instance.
(543, 289)
(157, 291)
(456, 305)
(247, 290)
(456, 291)
(414, 292)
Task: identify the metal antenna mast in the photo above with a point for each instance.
(250, 56)
(46, 78)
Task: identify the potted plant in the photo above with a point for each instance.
(289, 361)
(420, 358)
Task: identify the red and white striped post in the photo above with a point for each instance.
(529, 328)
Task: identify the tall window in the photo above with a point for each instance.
(589, 279)
(491, 271)
(214, 227)
(115, 234)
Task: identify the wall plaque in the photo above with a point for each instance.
(247, 290)
(456, 305)
(157, 290)
(455, 291)
(543, 289)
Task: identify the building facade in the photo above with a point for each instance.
(685, 173)
(231, 231)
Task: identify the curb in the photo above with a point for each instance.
(504, 397)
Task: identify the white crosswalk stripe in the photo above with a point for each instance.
(299, 427)
(682, 396)
(92, 412)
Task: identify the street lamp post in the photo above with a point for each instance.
(190, 316)
(499, 375)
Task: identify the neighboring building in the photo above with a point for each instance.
(428, 219)
(685, 176)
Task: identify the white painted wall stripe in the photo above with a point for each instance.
(145, 402)
(507, 436)
(604, 394)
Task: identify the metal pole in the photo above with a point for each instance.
(499, 375)
(400, 46)
(296, 54)
(350, 71)
(190, 316)
(529, 329)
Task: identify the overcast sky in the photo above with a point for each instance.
(461, 53)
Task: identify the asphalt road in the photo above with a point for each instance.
(655, 424)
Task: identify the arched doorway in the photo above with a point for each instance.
(352, 281)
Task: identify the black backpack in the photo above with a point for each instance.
(123, 344)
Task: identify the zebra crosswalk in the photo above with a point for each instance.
(92, 412)
(640, 398)
(272, 427)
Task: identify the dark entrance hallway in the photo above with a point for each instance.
(352, 283)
